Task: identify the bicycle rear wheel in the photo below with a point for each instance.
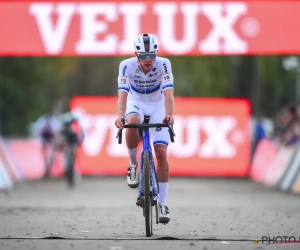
(147, 194)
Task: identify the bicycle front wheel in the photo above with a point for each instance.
(147, 194)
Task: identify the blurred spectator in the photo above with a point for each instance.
(259, 132)
(287, 126)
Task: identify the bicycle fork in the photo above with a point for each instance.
(154, 185)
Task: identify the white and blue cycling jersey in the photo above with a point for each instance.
(146, 92)
(145, 87)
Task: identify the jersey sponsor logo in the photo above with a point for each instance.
(166, 78)
(145, 89)
(147, 81)
(123, 80)
(165, 67)
(145, 86)
(155, 74)
(136, 76)
(124, 70)
(153, 69)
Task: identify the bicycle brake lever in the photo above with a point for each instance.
(172, 131)
(170, 127)
(119, 134)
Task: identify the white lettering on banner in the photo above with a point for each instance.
(217, 129)
(99, 128)
(91, 27)
(114, 149)
(185, 148)
(95, 130)
(132, 21)
(166, 19)
(94, 139)
(221, 38)
(53, 37)
(223, 28)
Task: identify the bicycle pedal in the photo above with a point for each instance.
(139, 202)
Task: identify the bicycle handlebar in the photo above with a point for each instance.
(151, 125)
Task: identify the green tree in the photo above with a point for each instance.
(29, 86)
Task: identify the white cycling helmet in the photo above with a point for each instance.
(146, 43)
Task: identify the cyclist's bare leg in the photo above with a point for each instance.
(163, 172)
(163, 181)
(46, 150)
(65, 150)
(132, 135)
(162, 162)
(132, 140)
(44, 154)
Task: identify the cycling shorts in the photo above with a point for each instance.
(156, 111)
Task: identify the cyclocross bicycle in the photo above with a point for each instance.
(70, 153)
(148, 187)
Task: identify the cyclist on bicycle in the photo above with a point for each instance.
(145, 88)
(71, 135)
(47, 127)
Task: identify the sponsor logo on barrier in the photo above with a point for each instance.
(54, 34)
(216, 144)
(182, 27)
(208, 140)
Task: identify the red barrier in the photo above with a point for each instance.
(263, 159)
(8, 162)
(279, 165)
(93, 27)
(212, 137)
(28, 158)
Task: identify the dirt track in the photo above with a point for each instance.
(100, 213)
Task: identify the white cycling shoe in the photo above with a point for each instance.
(132, 176)
(164, 214)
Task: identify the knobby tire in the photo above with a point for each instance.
(147, 198)
(71, 166)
